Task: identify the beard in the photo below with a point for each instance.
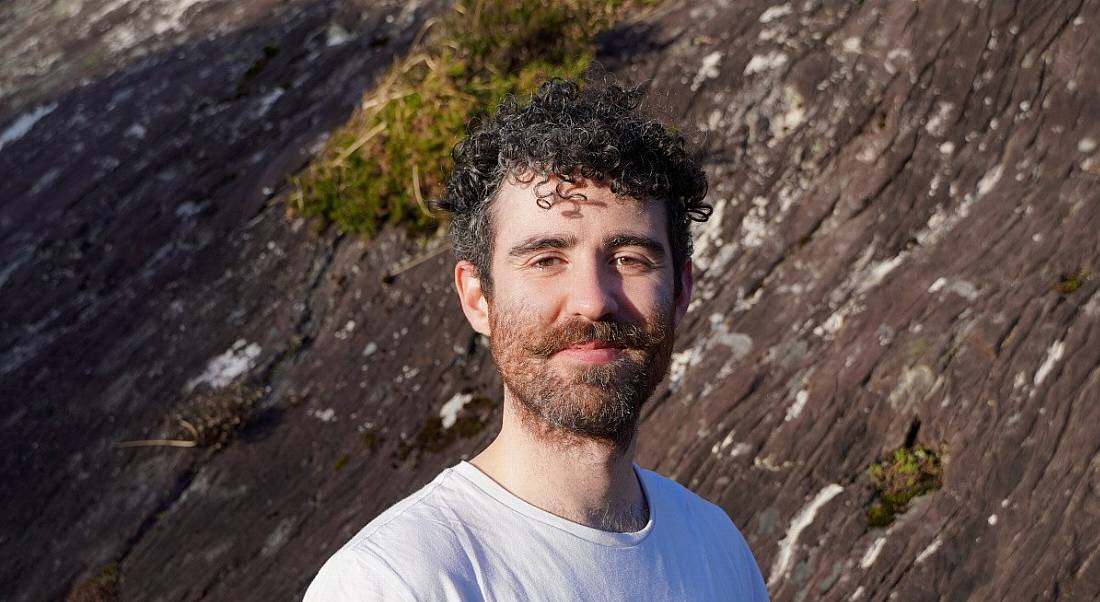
(598, 401)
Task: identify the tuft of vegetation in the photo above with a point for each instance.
(101, 588)
(434, 437)
(1070, 282)
(214, 418)
(394, 153)
(904, 475)
(211, 419)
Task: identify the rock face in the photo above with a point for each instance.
(903, 251)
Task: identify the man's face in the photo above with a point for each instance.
(582, 314)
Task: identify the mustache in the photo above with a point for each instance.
(616, 334)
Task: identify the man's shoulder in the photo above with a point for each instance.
(433, 508)
(682, 509)
(671, 493)
(403, 548)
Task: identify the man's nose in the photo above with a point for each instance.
(594, 293)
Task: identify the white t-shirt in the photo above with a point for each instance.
(464, 537)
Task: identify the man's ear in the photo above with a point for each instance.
(687, 281)
(471, 297)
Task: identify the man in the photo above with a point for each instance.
(571, 226)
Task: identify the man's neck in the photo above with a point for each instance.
(587, 481)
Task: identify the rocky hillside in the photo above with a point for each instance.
(903, 256)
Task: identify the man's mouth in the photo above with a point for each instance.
(593, 352)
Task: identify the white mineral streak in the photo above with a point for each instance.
(964, 289)
(853, 45)
(720, 447)
(786, 122)
(766, 62)
(775, 12)
(740, 449)
(872, 553)
(710, 237)
(1019, 381)
(325, 415)
(449, 411)
(1087, 145)
(336, 35)
(989, 180)
(992, 520)
(278, 537)
(135, 131)
(879, 271)
(931, 549)
(941, 222)
(20, 257)
(268, 100)
(739, 344)
(708, 70)
(754, 225)
(796, 408)
(24, 123)
(937, 285)
(831, 325)
(679, 365)
(937, 124)
(1092, 308)
(173, 16)
(225, 368)
(1053, 355)
(803, 519)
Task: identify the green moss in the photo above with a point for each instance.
(341, 462)
(394, 153)
(904, 475)
(1069, 283)
(101, 588)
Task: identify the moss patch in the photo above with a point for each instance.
(213, 418)
(394, 153)
(434, 437)
(1070, 282)
(210, 419)
(101, 588)
(902, 476)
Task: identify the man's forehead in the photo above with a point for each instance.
(523, 206)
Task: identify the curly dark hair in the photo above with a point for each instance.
(597, 132)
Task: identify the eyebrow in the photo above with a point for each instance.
(541, 242)
(626, 239)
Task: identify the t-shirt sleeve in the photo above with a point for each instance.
(355, 575)
(748, 572)
(759, 593)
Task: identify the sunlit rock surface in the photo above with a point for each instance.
(903, 250)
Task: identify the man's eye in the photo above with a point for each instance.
(628, 261)
(546, 262)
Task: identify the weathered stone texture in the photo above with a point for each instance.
(903, 250)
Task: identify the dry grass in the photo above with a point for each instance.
(210, 419)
